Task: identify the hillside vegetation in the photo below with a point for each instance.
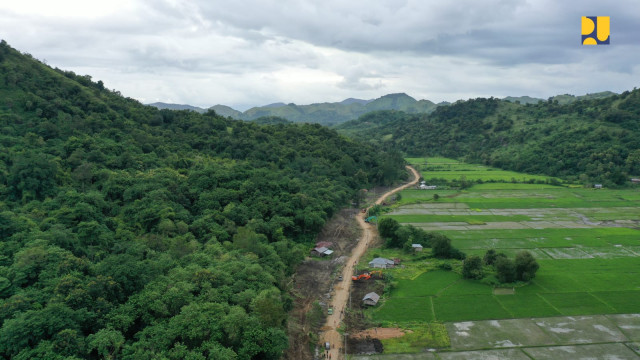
(590, 141)
(135, 233)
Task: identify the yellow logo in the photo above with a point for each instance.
(595, 30)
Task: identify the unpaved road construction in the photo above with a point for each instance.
(341, 290)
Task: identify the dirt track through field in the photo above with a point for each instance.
(341, 293)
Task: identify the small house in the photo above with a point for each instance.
(371, 299)
(416, 247)
(381, 263)
(427, 187)
(635, 181)
(321, 251)
(597, 186)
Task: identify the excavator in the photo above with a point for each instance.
(364, 276)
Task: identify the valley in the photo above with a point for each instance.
(132, 232)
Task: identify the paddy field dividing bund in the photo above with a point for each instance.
(585, 299)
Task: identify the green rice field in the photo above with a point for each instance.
(449, 169)
(586, 241)
(562, 287)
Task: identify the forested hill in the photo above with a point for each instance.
(322, 113)
(336, 113)
(591, 141)
(135, 233)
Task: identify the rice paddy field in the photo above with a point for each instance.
(448, 169)
(553, 338)
(586, 241)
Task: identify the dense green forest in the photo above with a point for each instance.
(130, 232)
(589, 141)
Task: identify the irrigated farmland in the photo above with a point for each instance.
(585, 240)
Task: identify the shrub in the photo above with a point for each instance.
(455, 253)
(490, 280)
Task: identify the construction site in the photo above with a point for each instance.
(313, 282)
(326, 295)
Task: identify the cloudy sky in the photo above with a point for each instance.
(255, 52)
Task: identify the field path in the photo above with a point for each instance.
(341, 294)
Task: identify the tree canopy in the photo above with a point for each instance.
(135, 233)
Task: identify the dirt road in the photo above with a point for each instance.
(341, 292)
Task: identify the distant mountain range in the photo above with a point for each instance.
(161, 105)
(322, 113)
(562, 99)
(350, 109)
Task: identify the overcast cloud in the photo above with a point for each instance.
(255, 52)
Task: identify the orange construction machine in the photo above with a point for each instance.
(364, 276)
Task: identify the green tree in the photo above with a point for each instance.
(33, 176)
(632, 162)
(505, 269)
(83, 174)
(216, 351)
(419, 236)
(401, 236)
(490, 257)
(441, 246)
(198, 323)
(5, 287)
(526, 266)
(472, 268)
(268, 306)
(387, 227)
(107, 342)
(29, 328)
